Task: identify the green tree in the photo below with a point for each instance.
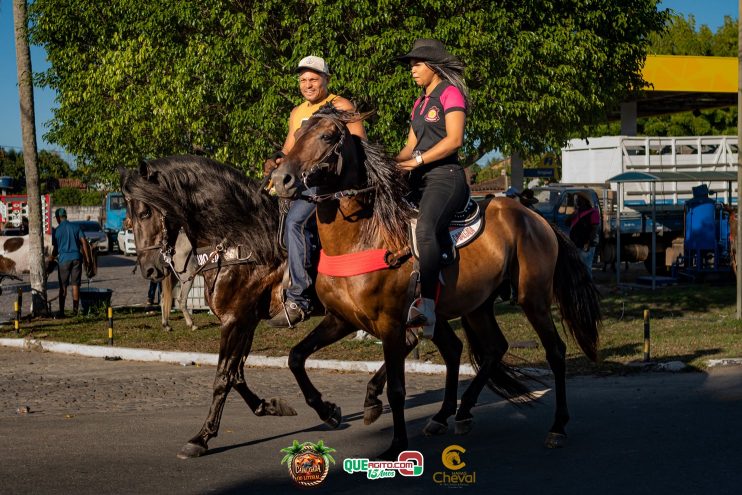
(145, 79)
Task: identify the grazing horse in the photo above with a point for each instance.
(183, 269)
(361, 212)
(182, 266)
(234, 226)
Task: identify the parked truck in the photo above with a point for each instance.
(113, 213)
(589, 164)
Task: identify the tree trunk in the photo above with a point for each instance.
(28, 128)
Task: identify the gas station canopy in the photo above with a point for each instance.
(681, 83)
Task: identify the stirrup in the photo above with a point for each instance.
(420, 316)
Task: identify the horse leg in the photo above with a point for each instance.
(556, 350)
(488, 346)
(330, 330)
(236, 336)
(185, 289)
(394, 346)
(166, 300)
(450, 348)
(372, 406)
(260, 407)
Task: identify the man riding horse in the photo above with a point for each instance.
(314, 75)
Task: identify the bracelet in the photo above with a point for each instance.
(418, 157)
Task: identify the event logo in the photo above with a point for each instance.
(408, 463)
(308, 462)
(451, 458)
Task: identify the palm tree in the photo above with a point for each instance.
(28, 129)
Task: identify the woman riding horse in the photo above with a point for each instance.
(431, 156)
(361, 216)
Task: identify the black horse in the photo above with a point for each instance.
(227, 217)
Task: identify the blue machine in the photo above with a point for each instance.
(706, 239)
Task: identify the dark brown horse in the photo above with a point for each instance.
(361, 208)
(225, 214)
(216, 206)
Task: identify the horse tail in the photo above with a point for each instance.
(503, 379)
(577, 296)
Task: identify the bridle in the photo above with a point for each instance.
(167, 252)
(323, 164)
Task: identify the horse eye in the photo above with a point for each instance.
(145, 214)
(326, 138)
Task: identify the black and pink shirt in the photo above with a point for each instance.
(428, 117)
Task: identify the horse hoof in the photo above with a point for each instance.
(167, 328)
(372, 413)
(194, 327)
(275, 407)
(191, 450)
(555, 440)
(464, 426)
(434, 428)
(336, 416)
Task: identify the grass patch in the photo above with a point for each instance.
(689, 324)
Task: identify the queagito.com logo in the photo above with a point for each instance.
(408, 463)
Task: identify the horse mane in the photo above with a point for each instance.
(212, 201)
(391, 210)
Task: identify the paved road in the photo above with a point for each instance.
(114, 272)
(98, 426)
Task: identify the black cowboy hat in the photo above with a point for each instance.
(429, 50)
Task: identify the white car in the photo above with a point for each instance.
(126, 242)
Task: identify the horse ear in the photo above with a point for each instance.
(146, 172)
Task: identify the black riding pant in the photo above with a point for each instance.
(444, 192)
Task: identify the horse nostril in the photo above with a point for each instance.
(288, 180)
(149, 273)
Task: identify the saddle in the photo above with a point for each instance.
(465, 226)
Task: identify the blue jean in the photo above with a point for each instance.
(299, 244)
(587, 258)
(155, 289)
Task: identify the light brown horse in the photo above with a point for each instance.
(361, 208)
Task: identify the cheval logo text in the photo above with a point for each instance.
(408, 463)
(454, 476)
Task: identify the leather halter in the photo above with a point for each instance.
(324, 165)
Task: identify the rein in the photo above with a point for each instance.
(167, 251)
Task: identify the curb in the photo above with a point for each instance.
(187, 358)
(724, 362)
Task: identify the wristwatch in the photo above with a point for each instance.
(418, 157)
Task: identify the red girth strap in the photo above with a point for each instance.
(347, 265)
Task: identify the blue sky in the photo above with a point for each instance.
(709, 12)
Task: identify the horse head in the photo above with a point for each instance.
(148, 210)
(323, 144)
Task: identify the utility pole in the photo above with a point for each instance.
(30, 159)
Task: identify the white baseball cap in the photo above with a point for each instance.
(317, 64)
